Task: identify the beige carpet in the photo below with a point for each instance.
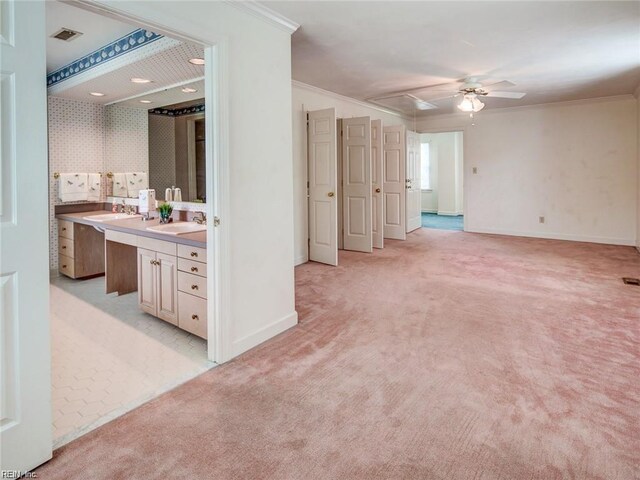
(448, 356)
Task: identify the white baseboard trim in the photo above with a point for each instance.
(264, 334)
(554, 236)
(429, 211)
(300, 260)
(448, 214)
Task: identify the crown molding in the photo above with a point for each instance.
(361, 103)
(266, 14)
(496, 110)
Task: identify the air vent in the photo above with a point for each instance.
(66, 34)
(631, 281)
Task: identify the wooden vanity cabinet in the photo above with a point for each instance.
(192, 290)
(158, 284)
(80, 250)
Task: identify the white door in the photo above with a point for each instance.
(377, 208)
(322, 174)
(356, 184)
(393, 182)
(25, 355)
(414, 200)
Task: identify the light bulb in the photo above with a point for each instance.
(466, 105)
(477, 104)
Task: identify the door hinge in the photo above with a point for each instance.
(216, 221)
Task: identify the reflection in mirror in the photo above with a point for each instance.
(177, 151)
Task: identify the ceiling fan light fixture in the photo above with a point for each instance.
(466, 105)
(477, 104)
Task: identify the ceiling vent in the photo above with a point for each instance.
(66, 34)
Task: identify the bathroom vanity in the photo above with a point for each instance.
(168, 271)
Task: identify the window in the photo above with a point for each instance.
(425, 167)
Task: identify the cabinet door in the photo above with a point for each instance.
(147, 298)
(167, 293)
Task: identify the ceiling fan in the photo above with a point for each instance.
(470, 89)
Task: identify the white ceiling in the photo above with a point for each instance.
(165, 62)
(553, 51)
(97, 31)
(167, 97)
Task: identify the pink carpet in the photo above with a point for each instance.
(448, 356)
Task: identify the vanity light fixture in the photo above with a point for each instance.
(140, 80)
(145, 101)
(196, 61)
(96, 94)
(189, 90)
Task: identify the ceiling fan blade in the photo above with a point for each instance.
(497, 94)
(501, 84)
(431, 100)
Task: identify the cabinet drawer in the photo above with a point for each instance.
(192, 253)
(65, 229)
(168, 248)
(192, 314)
(189, 266)
(192, 284)
(65, 247)
(66, 266)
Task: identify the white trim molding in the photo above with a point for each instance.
(264, 334)
(554, 236)
(361, 103)
(265, 13)
(300, 260)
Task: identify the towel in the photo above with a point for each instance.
(136, 181)
(94, 187)
(73, 187)
(119, 185)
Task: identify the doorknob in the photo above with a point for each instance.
(378, 190)
(330, 194)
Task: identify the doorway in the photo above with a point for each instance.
(442, 180)
(112, 347)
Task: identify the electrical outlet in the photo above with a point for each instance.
(540, 219)
(474, 170)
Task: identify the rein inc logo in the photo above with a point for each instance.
(17, 474)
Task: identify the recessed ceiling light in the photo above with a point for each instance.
(189, 90)
(197, 61)
(145, 101)
(140, 80)
(97, 94)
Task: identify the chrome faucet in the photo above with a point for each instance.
(202, 220)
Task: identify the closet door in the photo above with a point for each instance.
(356, 183)
(25, 354)
(393, 182)
(377, 207)
(414, 201)
(322, 175)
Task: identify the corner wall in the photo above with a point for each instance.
(637, 95)
(575, 163)
(306, 98)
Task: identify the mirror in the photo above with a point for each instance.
(177, 151)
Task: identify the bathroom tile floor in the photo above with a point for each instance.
(108, 357)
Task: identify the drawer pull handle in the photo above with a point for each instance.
(64, 247)
(194, 254)
(194, 287)
(194, 269)
(64, 229)
(152, 262)
(64, 266)
(194, 317)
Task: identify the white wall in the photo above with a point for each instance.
(574, 163)
(256, 77)
(306, 98)
(637, 95)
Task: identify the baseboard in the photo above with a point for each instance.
(429, 211)
(264, 334)
(300, 260)
(554, 236)
(448, 214)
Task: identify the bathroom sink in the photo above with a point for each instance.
(178, 228)
(109, 217)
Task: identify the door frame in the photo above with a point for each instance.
(465, 163)
(216, 54)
